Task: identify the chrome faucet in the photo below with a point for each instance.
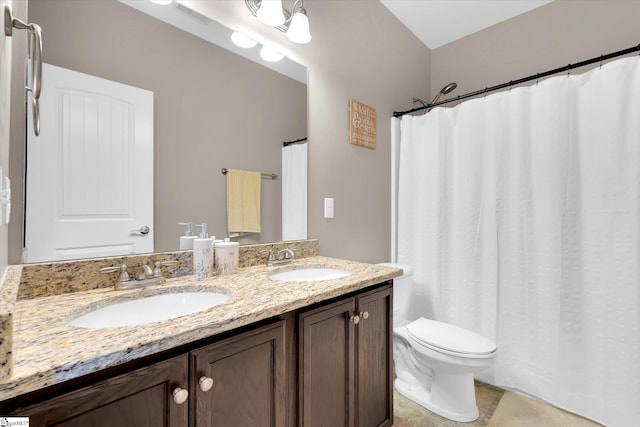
(144, 272)
(285, 255)
(145, 276)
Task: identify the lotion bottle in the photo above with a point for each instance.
(227, 254)
(186, 241)
(203, 254)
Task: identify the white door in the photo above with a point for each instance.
(89, 183)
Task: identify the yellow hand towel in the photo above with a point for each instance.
(243, 202)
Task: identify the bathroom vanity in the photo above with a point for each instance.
(276, 353)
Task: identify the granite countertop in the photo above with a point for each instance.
(47, 351)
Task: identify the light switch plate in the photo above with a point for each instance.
(328, 207)
(5, 198)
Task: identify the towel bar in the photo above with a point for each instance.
(264, 175)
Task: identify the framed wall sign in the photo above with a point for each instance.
(362, 125)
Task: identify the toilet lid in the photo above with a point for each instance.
(449, 337)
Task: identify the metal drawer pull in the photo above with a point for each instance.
(205, 383)
(180, 395)
(364, 315)
(355, 319)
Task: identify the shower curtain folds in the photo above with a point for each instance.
(294, 191)
(520, 214)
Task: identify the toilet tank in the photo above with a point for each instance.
(401, 292)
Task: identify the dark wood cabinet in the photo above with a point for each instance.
(345, 356)
(238, 381)
(374, 352)
(246, 375)
(142, 398)
(328, 365)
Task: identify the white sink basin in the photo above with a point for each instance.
(149, 309)
(309, 275)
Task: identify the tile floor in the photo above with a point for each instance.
(498, 408)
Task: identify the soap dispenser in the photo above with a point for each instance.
(203, 254)
(186, 241)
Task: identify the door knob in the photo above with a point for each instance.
(180, 395)
(143, 230)
(205, 383)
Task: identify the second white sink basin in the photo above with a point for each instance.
(309, 275)
(149, 309)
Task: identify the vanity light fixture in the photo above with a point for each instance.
(270, 54)
(243, 41)
(271, 12)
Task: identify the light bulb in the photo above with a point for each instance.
(243, 41)
(298, 31)
(270, 55)
(270, 13)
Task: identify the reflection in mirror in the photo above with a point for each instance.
(212, 109)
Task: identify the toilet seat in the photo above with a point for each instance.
(450, 339)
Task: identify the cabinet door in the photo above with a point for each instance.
(249, 380)
(375, 354)
(327, 366)
(142, 398)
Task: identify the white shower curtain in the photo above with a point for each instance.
(294, 192)
(520, 214)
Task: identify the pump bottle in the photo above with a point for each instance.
(203, 254)
(186, 241)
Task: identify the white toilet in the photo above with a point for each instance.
(435, 362)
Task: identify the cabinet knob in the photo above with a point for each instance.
(364, 315)
(355, 319)
(180, 395)
(205, 383)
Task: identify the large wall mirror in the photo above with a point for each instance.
(213, 109)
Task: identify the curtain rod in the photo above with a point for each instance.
(525, 79)
(287, 143)
(264, 175)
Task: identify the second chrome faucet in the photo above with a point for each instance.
(283, 256)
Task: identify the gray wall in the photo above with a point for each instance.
(5, 118)
(361, 51)
(12, 70)
(551, 36)
(213, 109)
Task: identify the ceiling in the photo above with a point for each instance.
(438, 22)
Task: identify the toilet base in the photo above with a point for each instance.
(452, 390)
